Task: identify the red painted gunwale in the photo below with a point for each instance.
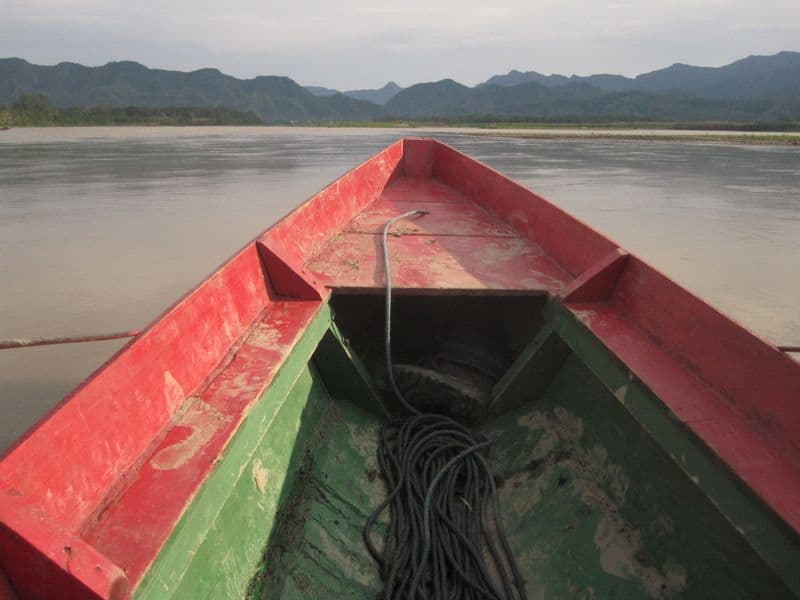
(89, 496)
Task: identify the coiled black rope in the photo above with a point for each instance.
(445, 538)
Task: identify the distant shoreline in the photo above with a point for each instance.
(528, 131)
(36, 110)
(672, 135)
(715, 132)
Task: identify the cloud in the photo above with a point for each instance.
(358, 43)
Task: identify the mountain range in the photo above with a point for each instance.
(127, 83)
(749, 77)
(381, 96)
(756, 88)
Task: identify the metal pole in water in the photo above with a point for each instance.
(69, 339)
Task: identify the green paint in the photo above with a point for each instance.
(344, 374)
(531, 372)
(206, 548)
(596, 509)
(602, 498)
(319, 553)
(587, 516)
(770, 538)
(224, 563)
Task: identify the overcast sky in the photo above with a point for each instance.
(360, 43)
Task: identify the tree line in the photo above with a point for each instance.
(36, 110)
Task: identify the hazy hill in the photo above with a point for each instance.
(381, 96)
(318, 90)
(777, 75)
(576, 100)
(515, 77)
(446, 98)
(749, 77)
(442, 98)
(754, 89)
(273, 99)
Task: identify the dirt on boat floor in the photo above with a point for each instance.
(585, 516)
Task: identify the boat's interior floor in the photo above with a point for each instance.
(593, 507)
(457, 245)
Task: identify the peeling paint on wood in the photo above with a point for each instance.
(197, 426)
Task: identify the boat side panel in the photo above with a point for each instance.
(116, 418)
(220, 538)
(671, 427)
(595, 507)
(318, 551)
(742, 393)
(103, 428)
(597, 282)
(44, 561)
(344, 374)
(760, 381)
(6, 591)
(417, 157)
(132, 530)
(301, 234)
(531, 373)
(573, 244)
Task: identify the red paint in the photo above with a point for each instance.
(418, 157)
(759, 385)
(303, 233)
(598, 281)
(6, 591)
(44, 561)
(110, 470)
(445, 218)
(134, 528)
(759, 381)
(420, 189)
(735, 391)
(457, 246)
(284, 280)
(573, 244)
(68, 464)
(353, 261)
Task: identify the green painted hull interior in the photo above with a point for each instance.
(601, 498)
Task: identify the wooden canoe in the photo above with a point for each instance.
(648, 445)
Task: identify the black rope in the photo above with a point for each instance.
(445, 538)
(388, 337)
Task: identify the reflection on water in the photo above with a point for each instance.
(101, 229)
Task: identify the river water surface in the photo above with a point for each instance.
(101, 229)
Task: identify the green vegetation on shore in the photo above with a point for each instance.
(556, 125)
(36, 110)
(662, 135)
(732, 133)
